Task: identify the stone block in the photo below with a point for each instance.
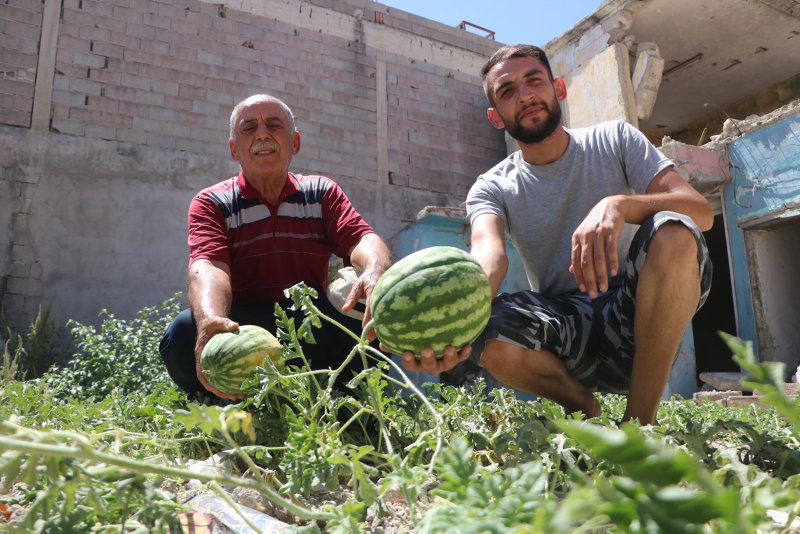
(723, 381)
(720, 397)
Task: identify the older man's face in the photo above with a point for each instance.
(263, 141)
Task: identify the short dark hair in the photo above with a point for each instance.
(507, 52)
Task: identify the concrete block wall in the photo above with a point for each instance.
(593, 60)
(20, 28)
(135, 121)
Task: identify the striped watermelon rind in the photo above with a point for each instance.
(435, 297)
(230, 358)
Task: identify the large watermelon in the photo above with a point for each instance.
(231, 357)
(435, 297)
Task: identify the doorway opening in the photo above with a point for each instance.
(773, 258)
(718, 313)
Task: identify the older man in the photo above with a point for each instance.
(253, 235)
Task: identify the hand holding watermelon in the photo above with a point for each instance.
(206, 330)
(429, 362)
(436, 300)
(230, 358)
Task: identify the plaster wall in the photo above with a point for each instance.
(593, 59)
(774, 262)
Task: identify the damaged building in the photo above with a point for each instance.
(716, 85)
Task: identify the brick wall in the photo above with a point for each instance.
(20, 28)
(388, 103)
(167, 74)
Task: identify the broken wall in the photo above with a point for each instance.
(763, 210)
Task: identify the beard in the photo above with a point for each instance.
(538, 132)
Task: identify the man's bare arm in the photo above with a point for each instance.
(594, 243)
(370, 257)
(210, 297)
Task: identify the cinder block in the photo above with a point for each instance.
(206, 108)
(67, 126)
(125, 40)
(134, 109)
(165, 87)
(78, 17)
(106, 77)
(212, 58)
(136, 82)
(156, 20)
(97, 131)
(99, 8)
(68, 98)
(102, 103)
(84, 86)
(142, 31)
(107, 49)
(89, 59)
(148, 97)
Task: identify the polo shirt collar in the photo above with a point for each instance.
(248, 191)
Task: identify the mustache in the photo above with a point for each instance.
(267, 145)
(542, 105)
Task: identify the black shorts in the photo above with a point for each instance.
(594, 338)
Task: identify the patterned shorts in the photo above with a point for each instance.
(594, 338)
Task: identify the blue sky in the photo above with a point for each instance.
(513, 21)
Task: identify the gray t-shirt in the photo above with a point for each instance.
(542, 205)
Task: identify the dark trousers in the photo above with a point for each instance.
(331, 348)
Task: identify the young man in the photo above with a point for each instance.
(258, 233)
(607, 309)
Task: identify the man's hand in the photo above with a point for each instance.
(207, 329)
(430, 364)
(594, 246)
(362, 289)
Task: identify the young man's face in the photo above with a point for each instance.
(263, 141)
(525, 99)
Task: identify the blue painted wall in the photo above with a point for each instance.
(765, 180)
(452, 229)
(449, 227)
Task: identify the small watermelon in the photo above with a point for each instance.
(229, 358)
(435, 297)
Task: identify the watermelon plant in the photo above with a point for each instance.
(434, 297)
(388, 457)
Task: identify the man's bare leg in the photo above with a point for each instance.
(539, 373)
(666, 299)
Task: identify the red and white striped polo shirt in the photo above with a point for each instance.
(270, 248)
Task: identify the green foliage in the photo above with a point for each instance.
(120, 356)
(10, 363)
(38, 350)
(466, 461)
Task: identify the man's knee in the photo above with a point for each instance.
(500, 359)
(672, 246)
(177, 352)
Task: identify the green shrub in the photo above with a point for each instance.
(10, 363)
(121, 355)
(39, 350)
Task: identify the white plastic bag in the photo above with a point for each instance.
(340, 287)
